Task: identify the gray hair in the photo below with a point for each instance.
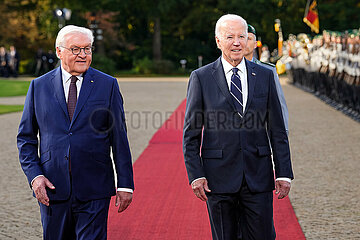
(60, 39)
(228, 17)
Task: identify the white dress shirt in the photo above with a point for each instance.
(243, 77)
(66, 85)
(66, 80)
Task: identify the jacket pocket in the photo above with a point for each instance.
(44, 157)
(263, 150)
(211, 153)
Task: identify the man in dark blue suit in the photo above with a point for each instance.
(233, 115)
(76, 112)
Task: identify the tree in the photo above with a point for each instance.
(27, 24)
(163, 29)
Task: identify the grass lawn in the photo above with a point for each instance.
(10, 108)
(13, 88)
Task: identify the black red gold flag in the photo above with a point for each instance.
(311, 17)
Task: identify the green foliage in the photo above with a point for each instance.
(13, 88)
(104, 64)
(27, 66)
(147, 66)
(186, 27)
(10, 108)
(163, 67)
(28, 25)
(339, 15)
(143, 66)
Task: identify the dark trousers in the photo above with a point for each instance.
(251, 212)
(74, 219)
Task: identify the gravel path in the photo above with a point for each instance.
(12, 100)
(325, 147)
(148, 104)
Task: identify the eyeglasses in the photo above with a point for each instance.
(77, 50)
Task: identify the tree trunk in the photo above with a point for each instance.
(157, 40)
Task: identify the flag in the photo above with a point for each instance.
(311, 17)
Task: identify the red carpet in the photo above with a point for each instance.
(164, 206)
(286, 224)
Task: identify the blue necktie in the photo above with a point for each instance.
(236, 91)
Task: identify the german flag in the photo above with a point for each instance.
(311, 17)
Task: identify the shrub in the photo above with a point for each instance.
(147, 66)
(104, 64)
(163, 67)
(143, 66)
(26, 66)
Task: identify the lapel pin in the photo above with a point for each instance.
(254, 74)
(92, 81)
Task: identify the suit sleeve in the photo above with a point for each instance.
(277, 134)
(27, 140)
(119, 141)
(281, 96)
(193, 125)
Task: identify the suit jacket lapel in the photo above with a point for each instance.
(251, 78)
(59, 91)
(219, 76)
(86, 87)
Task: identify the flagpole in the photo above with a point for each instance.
(311, 17)
(307, 8)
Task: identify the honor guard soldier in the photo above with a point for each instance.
(249, 55)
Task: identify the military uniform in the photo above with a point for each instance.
(333, 71)
(279, 90)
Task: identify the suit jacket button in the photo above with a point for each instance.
(70, 134)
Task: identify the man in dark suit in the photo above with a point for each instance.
(77, 114)
(232, 116)
(4, 63)
(14, 60)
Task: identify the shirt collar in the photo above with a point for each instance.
(228, 67)
(66, 76)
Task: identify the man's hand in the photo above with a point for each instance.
(282, 188)
(199, 187)
(123, 200)
(39, 186)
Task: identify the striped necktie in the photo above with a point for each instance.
(72, 97)
(236, 91)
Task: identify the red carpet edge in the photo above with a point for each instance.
(164, 206)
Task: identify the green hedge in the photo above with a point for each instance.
(147, 66)
(104, 64)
